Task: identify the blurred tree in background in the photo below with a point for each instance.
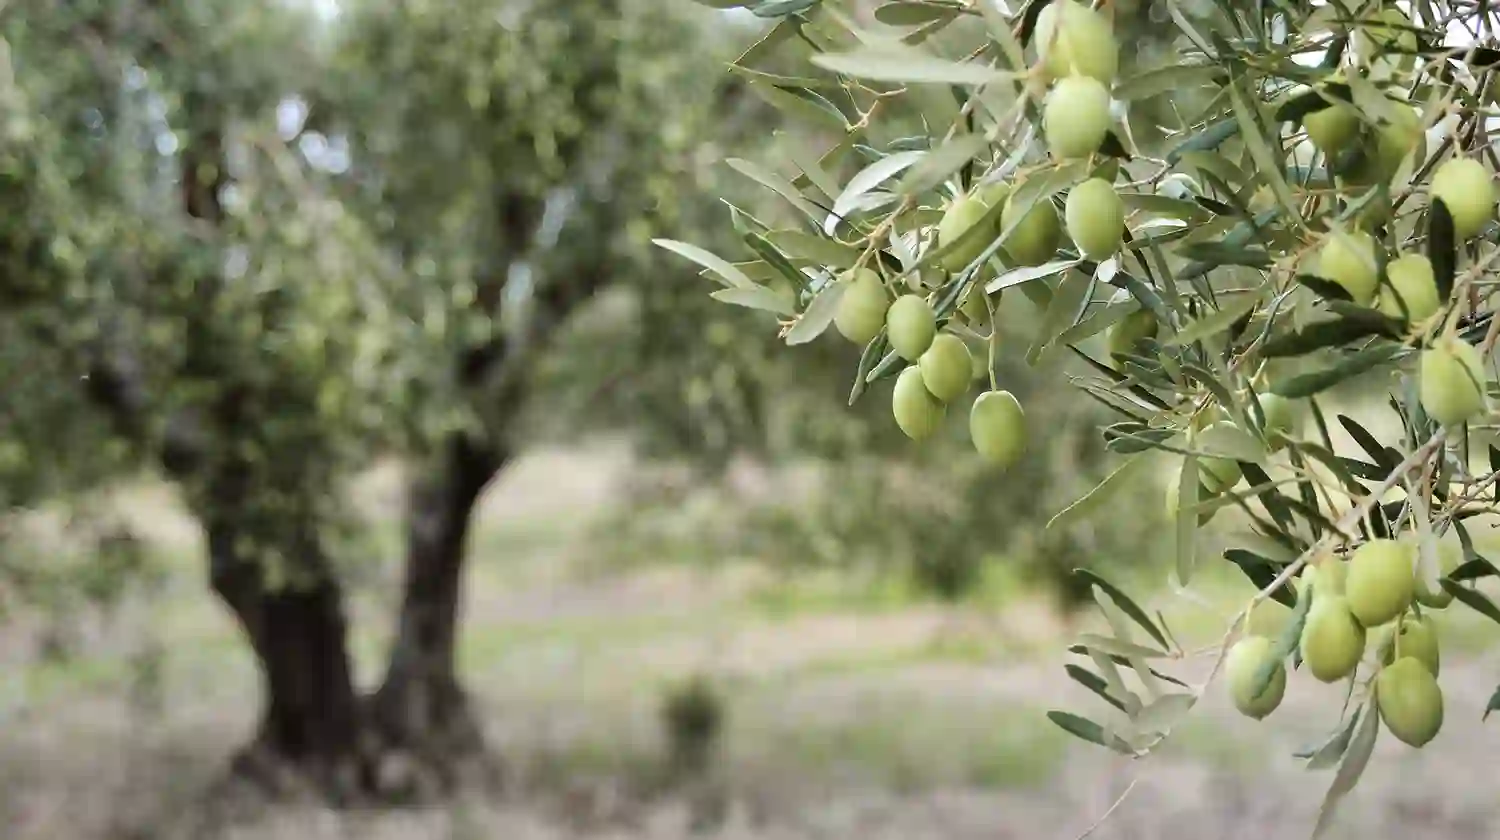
(256, 249)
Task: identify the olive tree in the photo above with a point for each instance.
(254, 249)
(1254, 206)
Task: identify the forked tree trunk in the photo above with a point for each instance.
(421, 712)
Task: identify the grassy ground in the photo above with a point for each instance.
(855, 709)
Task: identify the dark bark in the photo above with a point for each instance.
(421, 709)
(312, 719)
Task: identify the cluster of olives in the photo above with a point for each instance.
(1376, 588)
(1079, 54)
(941, 367)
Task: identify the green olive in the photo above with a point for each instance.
(1452, 381)
(1450, 553)
(1328, 577)
(1246, 660)
(1131, 330)
(1412, 293)
(1410, 701)
(1035, 237)
(918, 413)
(1350, 262)
(1282, 417)
(947, 367)
(1076, 117)
(1380, 585)
(1397, 139)
(961, 216)
(1413, 637)
(997, 425)
(1332, 641)
(1073, 39)
(910, 325)
(1465, 188)
(1095, 218)
(861, 311)
(1333, 128)
(1220, 472)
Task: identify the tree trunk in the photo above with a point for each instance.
(421, 711)
(310, 730)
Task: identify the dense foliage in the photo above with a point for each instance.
(1254, 204)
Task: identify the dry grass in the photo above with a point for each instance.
(904, 722)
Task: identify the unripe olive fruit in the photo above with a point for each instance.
(997, 426)
(961, 216)
(1096, 218)
(1128, 331)
(1410, 701)
(1396, 140)
(910, 325)
(1327, 577)
(1219, 472)
(916, 410)
(1245, 660)
(1332, 640)
(1076, 117)
(1380, 585)
(1413, 637)
(1353, 267)
(1281, 416)
(993, 193)
(1413, 286)
(947, 367)
(1208, 416)
(861, 310)
(1333, 128)
(1450, 554)
(1035, 237)
(1465, 188)
(1451, 382)
(1073, 39)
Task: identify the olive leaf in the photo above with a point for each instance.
(818, 316)
(1261, 572)
(916, 12)
(1355, 759)
(1473, 599)
(1332, 750)
(1221, 319)
(1349, 367)
(730, 275)
(940, 163)
(888, 63)
(1123, 601)
(1186, 531)
(757, 298)
(1093, 682)
(1442, 247)
(1087, 730)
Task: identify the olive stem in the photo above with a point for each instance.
(994, 339)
